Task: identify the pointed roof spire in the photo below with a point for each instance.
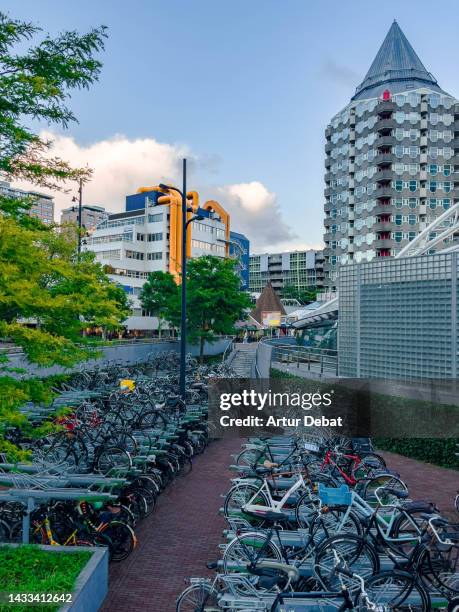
(268, 302)
(396, 66)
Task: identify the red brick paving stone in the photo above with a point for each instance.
(177, 539)
(426, 481)
(185, 530)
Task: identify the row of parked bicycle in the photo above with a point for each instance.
(113, 449)
(324, 524)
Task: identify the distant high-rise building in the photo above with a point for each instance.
(391, 156)
(300, 269)
(42, 207)
(91, 216)
(147, 238)
(239, 249)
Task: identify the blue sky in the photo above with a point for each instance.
(246, 87)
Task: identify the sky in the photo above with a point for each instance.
(243, 88)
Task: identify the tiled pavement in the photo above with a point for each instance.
(426, 481)
(185, 529)
(177, 539)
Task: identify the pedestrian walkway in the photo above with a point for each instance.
(185, 530)
(177, 539)
(243, 359)
(427, 481)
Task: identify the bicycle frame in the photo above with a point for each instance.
(274, 506)
(384, 525)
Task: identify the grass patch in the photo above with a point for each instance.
(29, 569)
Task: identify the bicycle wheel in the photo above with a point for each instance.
(250, 458)
(397, 590)
(197, 598)
(122, 538)
(350, 551)
(238, 496)
(326, 524)
(109, 457)
(306, 508)
(243, 551)
(385, 480)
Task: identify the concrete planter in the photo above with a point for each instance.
(91, 586)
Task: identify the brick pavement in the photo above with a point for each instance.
(426, 481)
(185, 530)
(177, 539)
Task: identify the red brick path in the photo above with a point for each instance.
(177, 539)
(185, 530)
(426, 481)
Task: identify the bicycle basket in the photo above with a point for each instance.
(330, 496)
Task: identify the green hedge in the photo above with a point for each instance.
(432, 450)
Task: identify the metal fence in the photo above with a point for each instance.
(309, 358)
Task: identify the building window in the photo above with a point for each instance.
(398, 236)
(413, 185)
(155, 256)
(134, 255)
(433, 203)
(155, 218)
(433, 169)
(398, 185)
(446, 203)
(433, 186)
(412, 219)
(155, 237)
(447, 186)
(412, 202)
(398, 219)
(140, 237)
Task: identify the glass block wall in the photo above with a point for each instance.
(398, 318)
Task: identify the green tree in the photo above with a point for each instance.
(47, 294)
(214, 299)
(305, 296)
(159, 296)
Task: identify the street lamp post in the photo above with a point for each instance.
(185, 224)
(80, 212)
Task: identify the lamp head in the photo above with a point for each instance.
(163, 186)
(199, 218)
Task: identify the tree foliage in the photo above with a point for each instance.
(158, 294)
(305, 296)
(214, 299)
(48, 294)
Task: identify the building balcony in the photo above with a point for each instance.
(384, 243)
(383, 209)
(351, 151)
(423, 158)
(384, 175)
(328, 131)
(384, 158)
(385, 124)
(328, 162)
(385, 106)
(328, 206)
(382, 226)
(424, 107)
(328, 221)
(384, 192)
(350, 215)
(327, 192)
(423, 141)
(385, 141)
(328, 147)
(327, 177)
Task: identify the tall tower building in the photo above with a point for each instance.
(390, 159)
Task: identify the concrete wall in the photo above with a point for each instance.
(263, 360)
(126, 354)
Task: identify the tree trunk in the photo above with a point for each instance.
(201, 349)
(159, 328)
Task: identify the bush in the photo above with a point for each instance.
(432, 450)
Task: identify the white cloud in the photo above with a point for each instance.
(120, 166)
(255, 212)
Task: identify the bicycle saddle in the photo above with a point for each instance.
(269, 465)
(267, 515)
(396, 493)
